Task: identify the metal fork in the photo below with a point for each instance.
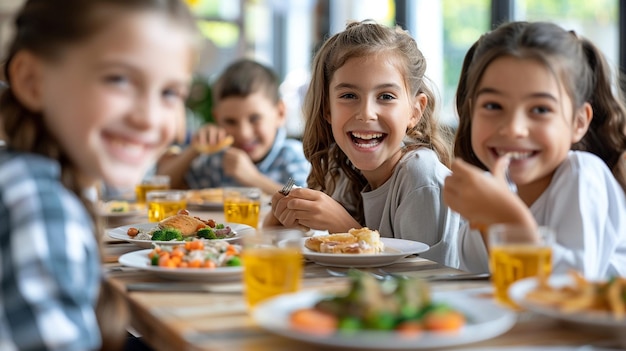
(287, 188)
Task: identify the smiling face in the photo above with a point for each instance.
(114, 101)
(252, 121)
(370, 111)
(521, 110)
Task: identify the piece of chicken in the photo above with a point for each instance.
(187, 224)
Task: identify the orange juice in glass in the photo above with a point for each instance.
(156, 182)
(242, 205)
(517, 253)
(165, 203)
(272, 263)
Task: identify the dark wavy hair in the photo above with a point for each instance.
(575, 61)
(245, 77)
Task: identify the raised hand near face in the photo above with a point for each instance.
(482, 198)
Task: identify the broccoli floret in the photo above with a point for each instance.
(206, 233)
(233, 261)
(219, 226)
(167, 234)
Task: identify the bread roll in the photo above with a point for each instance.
(209, 149)
(356, 241)
(314, 242)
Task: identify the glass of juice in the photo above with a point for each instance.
(272, 263)
(155, 182)
(165, 203)
(242, 205)
(515, 253)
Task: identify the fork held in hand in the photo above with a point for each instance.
(287, 188)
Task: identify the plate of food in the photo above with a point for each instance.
(206, 199)
(402, 314)
(573, 298)
(358, 248)
(117, 208)
(178, 229)
(217, 260)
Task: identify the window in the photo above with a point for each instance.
(595, 20)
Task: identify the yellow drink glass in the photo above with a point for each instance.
(517, 253)
(165, 203)
(242, 205)
(156, 182)
(272, 263)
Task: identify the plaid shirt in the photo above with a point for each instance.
(49, 261)
(285, 159)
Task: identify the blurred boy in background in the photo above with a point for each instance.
(248, 145)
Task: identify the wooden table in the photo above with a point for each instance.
(219, 320)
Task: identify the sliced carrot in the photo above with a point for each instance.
(231, 250)
(195, 264)
(410, 329)
(163, 259)
(177, 252)
(176, 260)
(209, 264)
(312, 321)
(443, 320)
(195, 245)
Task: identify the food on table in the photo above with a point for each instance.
(118, 206)
(583, 296)
(167, 234)
(355, 241)
(203, 196)
(400, 304)
(182, 226)
(184, 223)
(209, 149)
(196, 254)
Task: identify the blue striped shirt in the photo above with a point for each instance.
(285, 159)
(49, 260)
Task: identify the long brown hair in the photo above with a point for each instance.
(361, 39)
(45, 28)
(575, 61)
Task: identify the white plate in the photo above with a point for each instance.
(395, 250)
(519, 289)
(139, 259)
(485, 320)
(120, 233)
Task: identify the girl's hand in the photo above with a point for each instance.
(484, 199)
(280, 211)
(313, 209)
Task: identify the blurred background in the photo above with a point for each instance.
(285, 34)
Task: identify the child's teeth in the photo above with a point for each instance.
(515, 155)
(367, 136)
